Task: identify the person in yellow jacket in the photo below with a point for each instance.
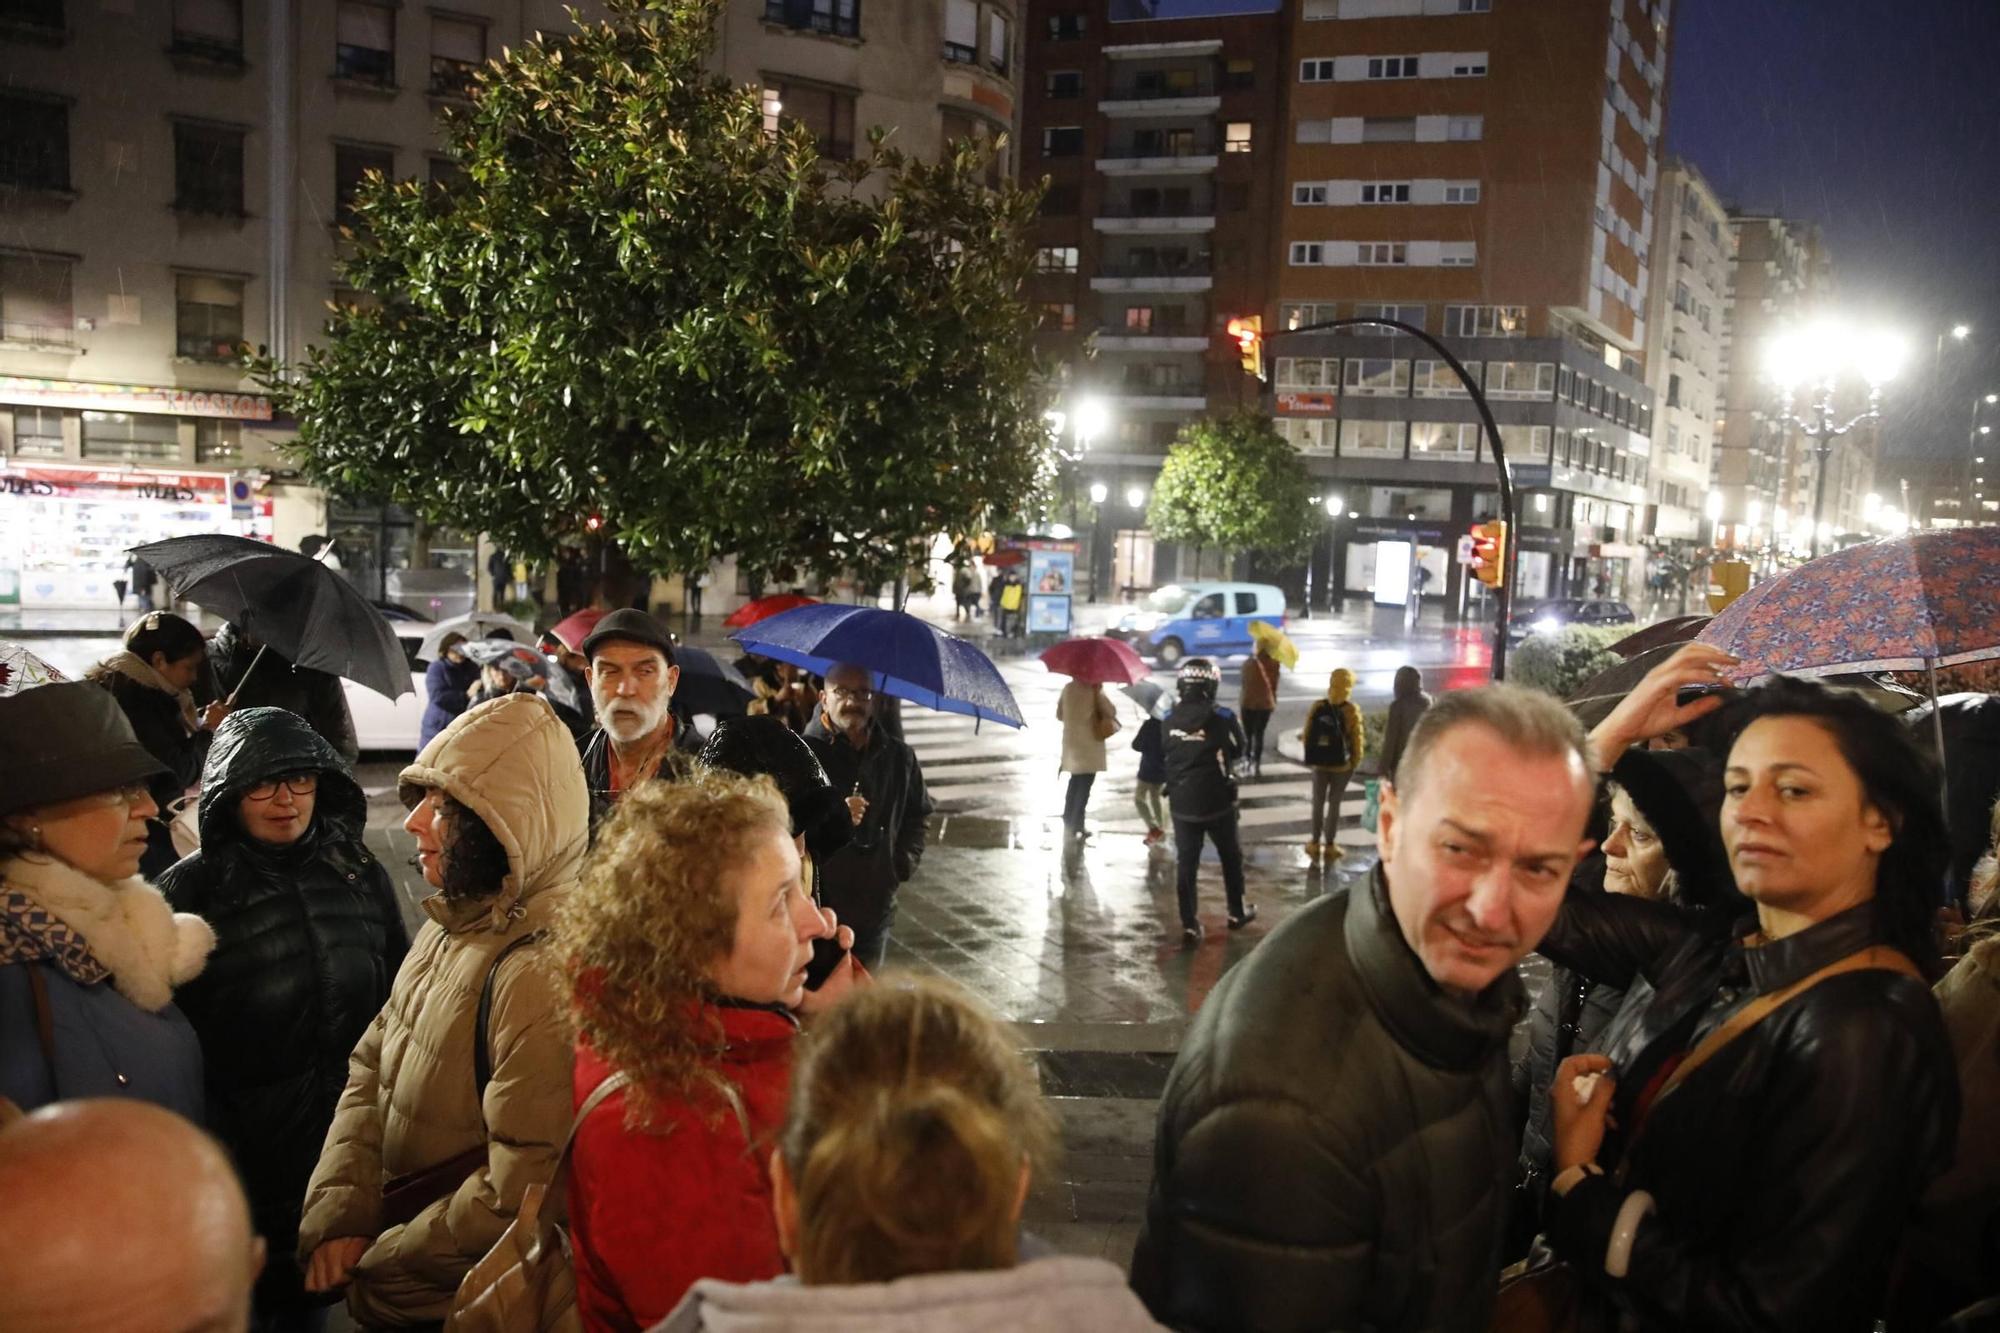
(1331, 739)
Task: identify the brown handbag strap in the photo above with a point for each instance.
(45, 1022)
(1872, 958)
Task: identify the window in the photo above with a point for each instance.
(1059, 201)
(1307, 372)
(458, 49)
(131, 437)
(1374, 378)
(1458, 254)
(1308, 435)
(1461, 192)
(1389, 129)
(1469, 67)
(208, 316)
(34, 142)
(210, 28)
(1236, 137)
(1413, 315)
(1521, 379)
(208, 169)
(35, 300)
(1372, 439)
(1059, 315)
(351, 163)
(1306, 252)
(1381, 252)
(999, 42)
(1056, 259)
(1298, 314)
(825, 113)
(217, 441)
(1475, 6)
(1464, 128)
(1485, 321)
(1385, 192)
(1449, 441)
(1067, 27)
(1309, 192)
(1315, 71)
(1062, 140)
(1436, 379)
(961, 31)
(365, 43)
(1139, 319)
(1673, 391)
(1246, 603)
(841, 18)
(1524, 444)
(1392, 67)
(38, 432)
(1064, 83)
(1238, 75)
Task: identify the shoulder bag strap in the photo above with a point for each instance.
(555, 1206)
(482, 1044)
(45, 1022)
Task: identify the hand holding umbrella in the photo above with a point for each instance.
(1656, 706)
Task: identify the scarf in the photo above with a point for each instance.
(127, 926)
(134, 668)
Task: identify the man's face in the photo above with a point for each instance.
(1477, 855)
(850, 698)
(632, 685)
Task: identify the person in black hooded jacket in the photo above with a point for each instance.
(276, 682)
(309, 937)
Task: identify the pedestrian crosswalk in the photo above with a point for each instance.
(994, 770)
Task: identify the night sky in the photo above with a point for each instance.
(1878, 120)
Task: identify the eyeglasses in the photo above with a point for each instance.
(860, 696)
(298, 784)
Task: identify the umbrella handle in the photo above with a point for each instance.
(262, 648)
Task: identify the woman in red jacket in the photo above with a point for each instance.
(686, 950)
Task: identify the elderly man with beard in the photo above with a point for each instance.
(632, 678)
(1336, 1139)
(884, 786)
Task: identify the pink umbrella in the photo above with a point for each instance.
(1097, 661)
(575, 627)
(765, 607)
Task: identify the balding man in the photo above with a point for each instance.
(1336, 1139)
(121, 1217)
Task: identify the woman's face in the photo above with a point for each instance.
(1800, 831)
(180, 674)
(425, 823)
(776, 924)
(1635, 862)
(274, 812)
(103, 834)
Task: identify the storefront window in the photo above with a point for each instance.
(38, 432)
(131, 437)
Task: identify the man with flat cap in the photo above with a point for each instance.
(632, 676)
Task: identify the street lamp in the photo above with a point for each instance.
(1099, 492)
(1816, 357)
(1135, 496)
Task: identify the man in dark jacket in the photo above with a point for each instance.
(1203, 741)
(309, 934)
(884, 786)
(1337, 1139)
(314, 695)
(632, 676)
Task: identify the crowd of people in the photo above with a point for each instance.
(1755, 1095)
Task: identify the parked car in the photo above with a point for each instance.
(1206, 619)
(378, 723)
(1559, 612)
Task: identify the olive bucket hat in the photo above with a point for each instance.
(63, 741)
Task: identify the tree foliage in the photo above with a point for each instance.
(1560, 660)
(639, 304)
(1235, 483)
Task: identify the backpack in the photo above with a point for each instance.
(1326, 737)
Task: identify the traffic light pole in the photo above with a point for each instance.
(1510, 557)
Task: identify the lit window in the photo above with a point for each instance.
(1236, 137)
(1056, 259)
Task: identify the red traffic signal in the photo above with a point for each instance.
(593, 523)
(1248, 333)
(1489, 553)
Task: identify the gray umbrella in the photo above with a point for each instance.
(297, 607)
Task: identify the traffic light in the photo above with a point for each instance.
(1489, 553)
(1248, 332)
(593, 523)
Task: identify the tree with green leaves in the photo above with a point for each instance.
(638, 303)
(1233, 482)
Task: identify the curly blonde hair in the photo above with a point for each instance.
(636, 939)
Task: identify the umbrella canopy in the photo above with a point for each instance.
(518, 660)
(1276, 642)
(708, 684)
(1002, 559)
(765, 607)
(297, 606)
(1593, 700)
(1096, 660)
(478, 625)
(1673, 631)
(22, 670)
(1146, 694)
(910, 658)
(575, 627)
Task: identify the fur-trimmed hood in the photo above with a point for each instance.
(127, 926)
(140, 672)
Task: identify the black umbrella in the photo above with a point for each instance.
(708, 684)
(297, 607)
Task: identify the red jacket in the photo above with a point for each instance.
(652, 1211)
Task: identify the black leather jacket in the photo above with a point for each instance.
(1203, 740)
(1787, 1166)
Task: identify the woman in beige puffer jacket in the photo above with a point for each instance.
(410, 1102)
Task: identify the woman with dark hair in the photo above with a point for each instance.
(448, 683)
(1405, 708)
(1784, 1091)
(152, 678)
(457, 1095)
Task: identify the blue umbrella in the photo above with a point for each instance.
(910, 658)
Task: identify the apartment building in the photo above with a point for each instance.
(1486, 171)
(1159, 140)
(1694, 246)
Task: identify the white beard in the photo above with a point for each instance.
(628, 720)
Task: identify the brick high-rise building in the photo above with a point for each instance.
(1486, 171)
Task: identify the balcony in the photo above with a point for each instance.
(1153, 276)
(1134, 100)
(21, 336)
(1119, 338)
(841, 19)
(1145, 158)
(1187, 397)
(1126, 222)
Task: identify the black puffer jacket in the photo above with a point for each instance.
(1785, 1168)
(315, 696)
(1203, 740)
(308, 940)
(1336, 1139)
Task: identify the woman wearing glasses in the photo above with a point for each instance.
(89, 952)
(309, 937)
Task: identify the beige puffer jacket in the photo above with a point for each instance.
(410, 1102)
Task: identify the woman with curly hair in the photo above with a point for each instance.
(685, 951)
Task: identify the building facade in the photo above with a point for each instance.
(1487, 173)
(1693, 248)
